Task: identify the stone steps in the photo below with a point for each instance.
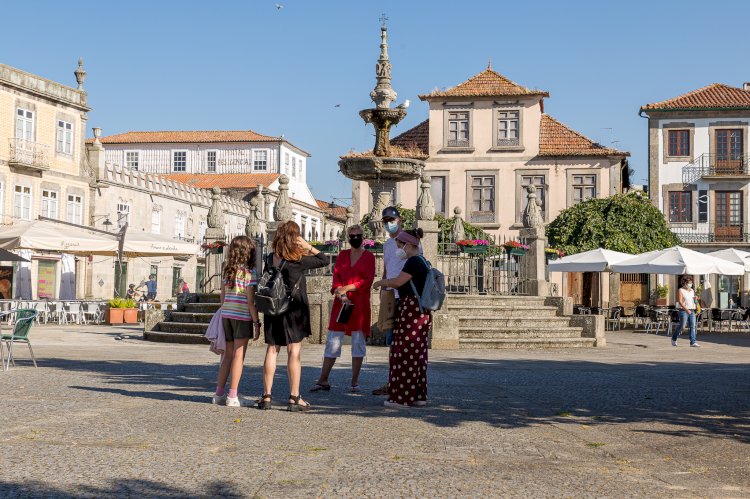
(192, 317)
(183, 327)
(525, 321)
(519, 334)
(502, 301)
(198, 308)
(209, 298)
(515, 311)
(165, 337)
(526, 343)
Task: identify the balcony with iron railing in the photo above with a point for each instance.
(712, 233)
(716, 166)
(30, 155)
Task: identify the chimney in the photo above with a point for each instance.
(746, 86)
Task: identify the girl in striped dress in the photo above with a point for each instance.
(239, 316)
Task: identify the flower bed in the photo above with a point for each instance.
(216, 247)
(331, 246)
(473, 246)
(515, 248)
(372, 245)
(553, 254)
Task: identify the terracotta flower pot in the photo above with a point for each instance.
(130, 315)
(113, 315)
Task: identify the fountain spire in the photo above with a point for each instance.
(383, 93)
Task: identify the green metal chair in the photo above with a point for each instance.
(24, 319)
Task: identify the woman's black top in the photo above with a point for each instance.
(417, 269)
(294, 326)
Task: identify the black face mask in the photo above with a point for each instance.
(355, 241)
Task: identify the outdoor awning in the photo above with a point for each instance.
(733, 255)
(44, 235)
(141, 243)
(675, 261)
(598, 260)
(7, 256)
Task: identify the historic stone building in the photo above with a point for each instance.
(485, 140)
(699, 175)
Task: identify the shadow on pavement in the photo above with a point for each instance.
(123, 488)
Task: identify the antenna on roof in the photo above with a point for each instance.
(489, 63)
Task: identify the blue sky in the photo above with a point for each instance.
(229, 65)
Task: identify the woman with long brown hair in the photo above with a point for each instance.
(239, 317)
(289, 329)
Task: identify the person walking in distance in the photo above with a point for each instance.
(353, 275)
(686, 306)
(392, 266)
(407, 361)
(290, 328)
(239, 317)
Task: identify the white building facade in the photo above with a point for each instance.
(699, 174)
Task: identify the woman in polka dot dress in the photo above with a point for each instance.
(407, 376)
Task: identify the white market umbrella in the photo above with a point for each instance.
(675, 261)
(147, 244)
(598, 260)
(44, 235)
(733, 255)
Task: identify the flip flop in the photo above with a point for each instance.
(355, 389)
(318, 387)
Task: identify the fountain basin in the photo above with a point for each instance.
(370, 168)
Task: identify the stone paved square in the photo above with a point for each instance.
(103, 417)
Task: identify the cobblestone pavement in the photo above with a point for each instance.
(104, 417)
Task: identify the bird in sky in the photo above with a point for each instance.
(337, 105)
(279, 6)
(404, 105)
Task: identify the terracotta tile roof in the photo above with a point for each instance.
(332, 209)
(488, 83)
(714, 96)
(416, 137)
(556, 139)
(224, 180)
(188, 136)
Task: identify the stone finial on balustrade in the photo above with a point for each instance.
(349, 218)
(425, 205)
(80, 74)
(457, 231)
(215, 213)
(252, 228)
(282, 210)
(532, 215)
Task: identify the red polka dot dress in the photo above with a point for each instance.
(407, 377)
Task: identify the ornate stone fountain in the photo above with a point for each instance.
(381, 170)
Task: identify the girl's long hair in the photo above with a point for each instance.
(241, 253)
(285, 242)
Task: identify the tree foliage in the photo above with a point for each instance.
(409, 218)
(623, 222)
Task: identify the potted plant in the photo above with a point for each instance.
(553, 254)
(662, 291)
(331, 246)
(130, 311)
(473, 246)
(114, 314)
(515, 248)
(372, 245)
(216, 247)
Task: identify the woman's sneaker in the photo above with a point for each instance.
(237, 402)
(219, 400)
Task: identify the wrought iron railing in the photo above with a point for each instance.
(27, 153)
(707, 165)
(712, 233)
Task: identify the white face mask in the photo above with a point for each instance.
(690, 285)
(391, 227)
(401, 253)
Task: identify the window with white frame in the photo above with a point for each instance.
(179, 226)
(286, 163)
(507, 128)
(123, 214)
(211, 161)
(437, 188)
(132, 159)
(22, 202)
(75, 209)
(540, 182)
(50, 203)
(202, 226)
(260, 160)
(482, 198)
(155, 221)
(179, 161)
(294, 167)
(64, 137)
(458, 129)
(24, 124)
(584, 187)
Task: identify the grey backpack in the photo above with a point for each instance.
(433, 293)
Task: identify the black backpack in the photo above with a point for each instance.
(272, 297)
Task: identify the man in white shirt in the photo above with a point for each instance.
(392, 266)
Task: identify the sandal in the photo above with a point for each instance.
(320, 387)
(355, 389)
(296, 406)
(264, 404)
